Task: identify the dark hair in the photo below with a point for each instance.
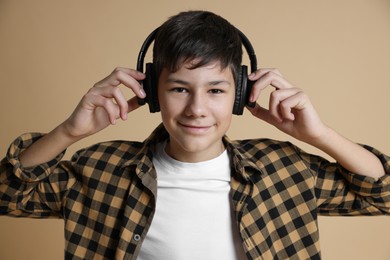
(200, 37)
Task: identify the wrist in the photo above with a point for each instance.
(47, 147)
(63, 132)
(326, 140)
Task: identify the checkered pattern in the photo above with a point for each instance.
(106, 195)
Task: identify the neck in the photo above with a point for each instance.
(193, 156)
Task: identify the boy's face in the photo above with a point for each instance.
(196, 109)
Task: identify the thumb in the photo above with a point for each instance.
(132, 104)
(260, 112)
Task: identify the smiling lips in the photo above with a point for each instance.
(196, 129)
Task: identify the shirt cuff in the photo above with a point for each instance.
(29, 174)
(368, 186)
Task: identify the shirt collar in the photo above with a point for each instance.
(143, 159)
(242, 162)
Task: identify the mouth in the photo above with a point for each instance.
(194, 128)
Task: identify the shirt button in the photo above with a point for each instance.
(137, 237)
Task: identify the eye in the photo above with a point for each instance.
(216, 91)
(179, 90)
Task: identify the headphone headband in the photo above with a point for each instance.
(144, 48)
(148, 41)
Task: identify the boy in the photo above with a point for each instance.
(188, 192)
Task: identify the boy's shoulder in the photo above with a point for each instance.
(264, 146)
(116, 151)
(264, 151)
(267, 157)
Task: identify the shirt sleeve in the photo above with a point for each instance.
(340, 192)
(35, 191)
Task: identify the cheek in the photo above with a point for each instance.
(224, 111)
(169, 107)
(169, 112)
(166, 113)
(225, 106)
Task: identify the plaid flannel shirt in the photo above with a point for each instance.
(106, 195)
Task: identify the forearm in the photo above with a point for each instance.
(47, 147)
(350, 155)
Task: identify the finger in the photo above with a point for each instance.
(268, 78)
(278, 109)
(125, 76)
(114, 94)
(130, 78)
(295, 102)
(110, 108)
(137, 75)
(121, 102)
(258, 73)
(261, 113)
(132, 104)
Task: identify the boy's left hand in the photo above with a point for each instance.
(290, 109)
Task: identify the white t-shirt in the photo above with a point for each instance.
(193, 218)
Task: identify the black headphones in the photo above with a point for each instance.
(243, 85)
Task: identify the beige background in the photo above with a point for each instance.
(52, 52)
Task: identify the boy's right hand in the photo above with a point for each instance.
(101, 106)
(104, 103)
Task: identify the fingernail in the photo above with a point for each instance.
(251, 98)
(142, 93)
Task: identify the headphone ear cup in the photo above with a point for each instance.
(150, 88)
(241, 91)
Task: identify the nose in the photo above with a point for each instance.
(197, 105)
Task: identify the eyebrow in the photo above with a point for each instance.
(186, 83)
